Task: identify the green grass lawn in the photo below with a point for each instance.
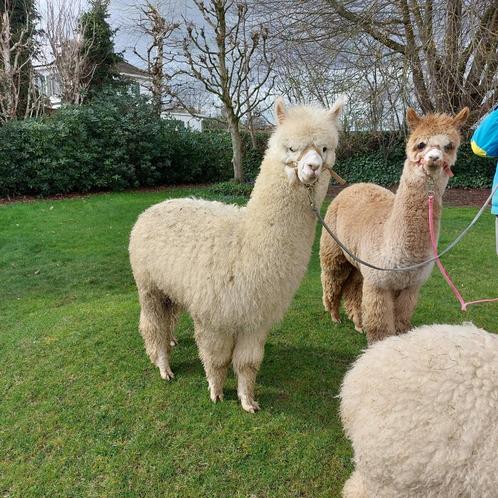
(84, 413)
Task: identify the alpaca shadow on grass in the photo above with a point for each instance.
(303, 381)
(299, 380)
(185, 359)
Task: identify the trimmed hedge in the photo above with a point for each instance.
(380, 158)
(117, 142)
(113, 143)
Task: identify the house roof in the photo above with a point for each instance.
(122, 67)
(127, 68)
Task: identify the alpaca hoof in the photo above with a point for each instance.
(166, 374)
(335, 317)
(249, 406)
(215, 395)
(359, 329)
(402, 328)
(173, 342)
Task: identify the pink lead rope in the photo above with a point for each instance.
(442, 269)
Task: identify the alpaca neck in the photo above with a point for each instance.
(408, 225)
(279, 218)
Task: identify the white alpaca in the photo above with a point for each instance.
(421, 410)
(235, 270)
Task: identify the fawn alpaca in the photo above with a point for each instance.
(389, 230)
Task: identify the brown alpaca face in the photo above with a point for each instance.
(434, 141)
(434, 154)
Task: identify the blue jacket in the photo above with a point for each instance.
(485, 144)
(494, 201)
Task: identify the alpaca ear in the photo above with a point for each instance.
(412, 118)
(280, 110)
(461, 117)
(338, 106)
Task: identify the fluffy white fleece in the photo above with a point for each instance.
(421, 410)
(234, 270)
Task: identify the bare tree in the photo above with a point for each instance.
(232, 63)
(449, 46)
(64, 33)
(16, 51)
(439, 54)
(159, 31)
(319, 55)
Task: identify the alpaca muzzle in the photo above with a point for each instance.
(431, 162)
(309, 165)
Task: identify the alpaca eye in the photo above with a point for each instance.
(324, 149)
(291, 149)
(421, 146)
(449, 147)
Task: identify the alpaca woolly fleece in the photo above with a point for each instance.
(390, 231)
(235, 270)
(421, 411)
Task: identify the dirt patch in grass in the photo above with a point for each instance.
(452, 197)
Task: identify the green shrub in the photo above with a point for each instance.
(472, 171)
(383, 164)
(113, 143)
(116, 142)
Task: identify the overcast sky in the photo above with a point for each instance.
(123, 15)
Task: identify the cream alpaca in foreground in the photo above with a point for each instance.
(389, 231)
(235, 270)
(421, 410)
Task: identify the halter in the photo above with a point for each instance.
(430, 199)
(294, 165)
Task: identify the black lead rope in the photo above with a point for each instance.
(309, 189)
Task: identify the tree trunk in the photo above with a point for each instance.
(252, 133)
(157, 68)
(238, 171)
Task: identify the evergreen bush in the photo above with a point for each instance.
(117, 142)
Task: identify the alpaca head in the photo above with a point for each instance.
(305, 139)
(433, 143)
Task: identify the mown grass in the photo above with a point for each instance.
(84, 413)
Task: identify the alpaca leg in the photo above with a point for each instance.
(247, 357)
(215, 351)
(335, 272)
(377, 312)
(352, 298)
(404, 306)
(158, 318)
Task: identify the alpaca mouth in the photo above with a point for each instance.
(432, 166)
(310, 177)
(308, 174)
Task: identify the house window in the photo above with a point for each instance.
(54, 86)
(134, 88)
(48, 85)
(41, 83)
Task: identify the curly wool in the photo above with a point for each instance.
(234, 270)
(421, 410)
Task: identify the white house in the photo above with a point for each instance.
(192, 122)
(48, 84)
(139, 84)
